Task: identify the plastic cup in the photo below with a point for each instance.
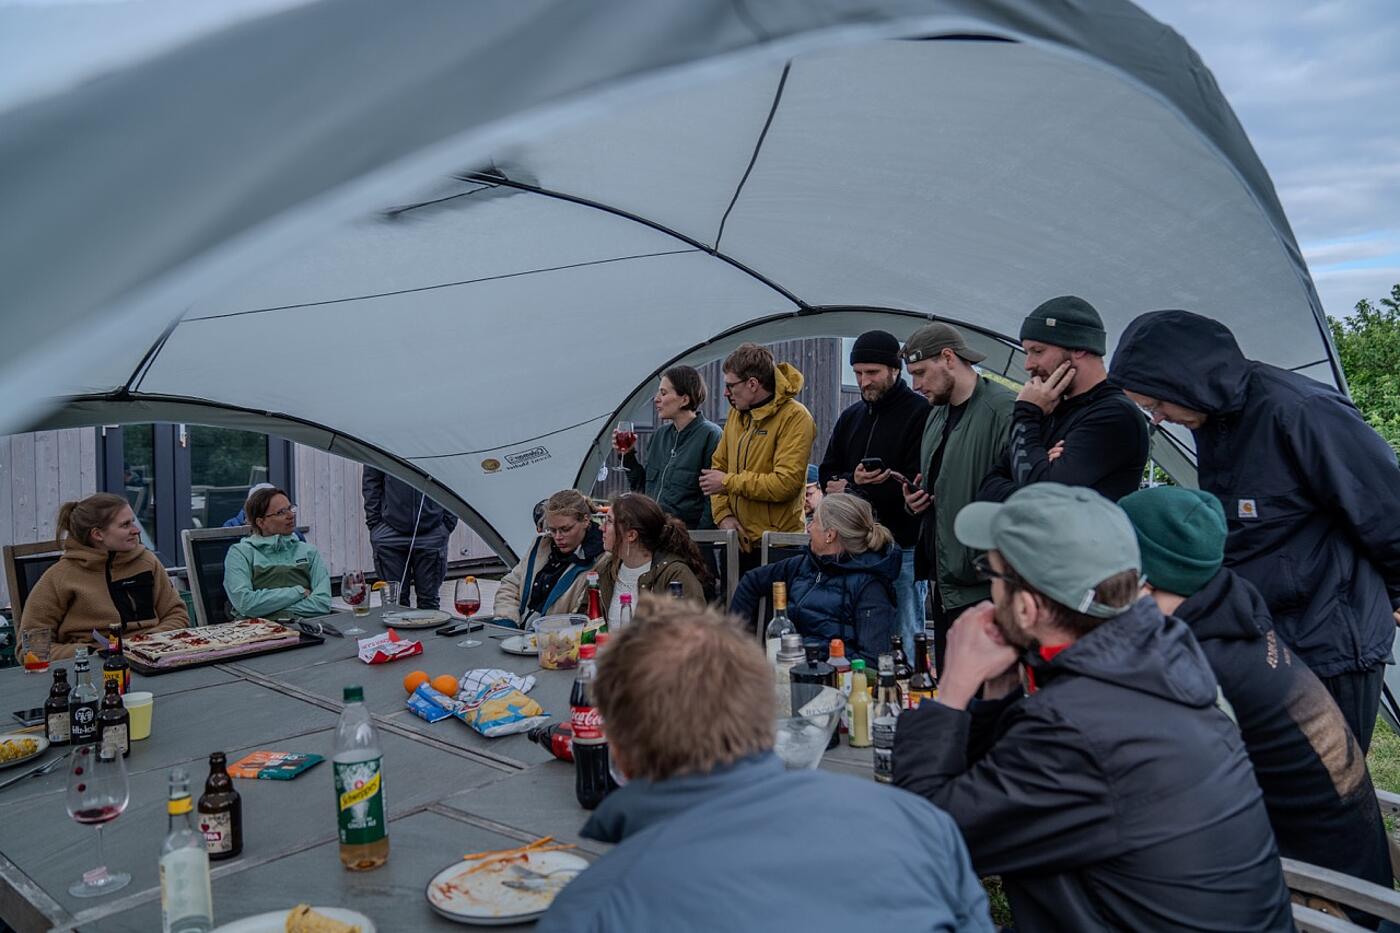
(558, 640)
(139, 704)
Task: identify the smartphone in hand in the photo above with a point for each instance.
(872, 464)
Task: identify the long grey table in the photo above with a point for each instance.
(450, 790)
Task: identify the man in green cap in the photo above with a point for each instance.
(1312, 771)
(1070, 425)
(1112, 793)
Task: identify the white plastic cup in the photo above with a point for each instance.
(139, 704)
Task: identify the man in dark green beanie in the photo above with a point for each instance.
(1070, 425)
(1316, 787)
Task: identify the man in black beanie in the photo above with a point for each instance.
(887, 425)
(1070, 425)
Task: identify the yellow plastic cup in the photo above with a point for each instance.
(139, 705)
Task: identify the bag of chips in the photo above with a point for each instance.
(501, 709)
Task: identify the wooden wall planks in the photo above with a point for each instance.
(38, 473)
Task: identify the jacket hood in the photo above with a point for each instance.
(269, 544)
(639, 804)
(1182, 358)
(787, 382)
(1142, 651)
(885, 564)
(1228, 606)
(92, 558)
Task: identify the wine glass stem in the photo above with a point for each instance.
(101, 858)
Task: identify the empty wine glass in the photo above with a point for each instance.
(356, 595)
(97, 794)
(466, 597)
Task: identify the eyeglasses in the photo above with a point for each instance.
(731, 386)
(560, 532)
(983, 565)
(283, 513)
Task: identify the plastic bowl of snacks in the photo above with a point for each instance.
(558, 640)
(801, 739)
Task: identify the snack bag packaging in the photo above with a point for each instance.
(501, 709)
(431, 705)
(381, 649)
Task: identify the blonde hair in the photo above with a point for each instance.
(684, 690)
(79, 519)
(854, 523)
(569, 502)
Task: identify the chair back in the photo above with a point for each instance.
(780, 545)
(205, 550)
(24, 565)
(721, 549)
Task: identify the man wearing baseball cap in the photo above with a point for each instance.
(1112, 792)
(874, 449)
(968, 426)
(1070, 425)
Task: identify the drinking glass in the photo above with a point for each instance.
(37, 642)
(466, 597)
(625, 437)
(97, 794)
(356, 595)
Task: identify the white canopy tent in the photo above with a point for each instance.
(457, 240)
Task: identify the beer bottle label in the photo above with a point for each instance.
(59, 728)
(359, 787)
(83, 726)
(884, 765)
(218, 832)
(114, 741)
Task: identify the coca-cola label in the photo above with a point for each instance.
(587, 723)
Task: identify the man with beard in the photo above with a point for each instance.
(966, 434)
(1310, 491)
(885, 425)
(1111, 793)
(1070, 425)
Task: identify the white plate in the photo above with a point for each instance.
(17, 736)
(276, 921)
(491, 903)
(518, 644)
(415, 618)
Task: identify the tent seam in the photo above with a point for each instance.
(753, 159)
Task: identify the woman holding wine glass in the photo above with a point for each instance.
(677, 452)
(270, 574)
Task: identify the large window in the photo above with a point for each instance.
(188, 476)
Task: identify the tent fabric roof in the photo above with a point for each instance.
(458, 243)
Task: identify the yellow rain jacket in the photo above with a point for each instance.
(764, 453)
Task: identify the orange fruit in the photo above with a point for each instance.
(411, 682)
(445, 683)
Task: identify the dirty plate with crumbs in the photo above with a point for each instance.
(505, 886)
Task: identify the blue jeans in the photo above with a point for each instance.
(909, 597)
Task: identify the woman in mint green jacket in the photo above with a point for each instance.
(270, 574)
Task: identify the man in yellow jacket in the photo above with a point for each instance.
(760, 466)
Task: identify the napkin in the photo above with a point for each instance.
(472, 683)
(381, 649)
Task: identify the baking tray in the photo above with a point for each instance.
(146, 670)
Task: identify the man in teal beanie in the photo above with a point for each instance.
(1313, 774)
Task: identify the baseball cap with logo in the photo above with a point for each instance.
(932, 339)
(1062, 540)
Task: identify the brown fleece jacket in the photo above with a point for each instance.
(90, 588)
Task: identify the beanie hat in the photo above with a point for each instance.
(1068, 322)
(812, 475)
(1181, 534)
(876, 346)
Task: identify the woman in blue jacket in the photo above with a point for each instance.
(842, 587)
(270, 573)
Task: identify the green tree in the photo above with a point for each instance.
(1368, 342)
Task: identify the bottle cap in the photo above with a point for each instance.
(587, 652)
(813, 653)
(792, 642)
(354, 694)
(625, 599)
(599, 641)
(858, 665)
(838, 649)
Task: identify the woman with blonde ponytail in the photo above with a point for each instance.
(105, 577)
(842, 587)
(648, 550)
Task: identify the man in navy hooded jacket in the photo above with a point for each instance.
(1310, 491)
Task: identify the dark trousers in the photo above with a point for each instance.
(1358, 694)
(425, 572)
(943, 620)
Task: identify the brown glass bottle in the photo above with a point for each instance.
(114, 666)
(921, 683)
(113, 723)
(220, 812)
(56, 723)
(902, 670)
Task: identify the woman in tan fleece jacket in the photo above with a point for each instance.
(105, 577)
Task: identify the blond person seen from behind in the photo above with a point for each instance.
(105, 577)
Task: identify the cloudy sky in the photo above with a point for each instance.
(1316, 84)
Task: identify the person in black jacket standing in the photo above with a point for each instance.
(1316, 787)
(1311, 494)
(1070, 425)
(887, 424)
(1114, 794)
(409, 533)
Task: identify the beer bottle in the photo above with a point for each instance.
(114, 724)
(902, 670)
(885, 716)
(82, 702)
(358, 770)
(56, 724)
(114, 667)
(858, 707)
(779, 625)
(922, 685)
(220, 812)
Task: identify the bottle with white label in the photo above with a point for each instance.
(220, 812)
(779, 625)
(186, 899)
(82, 702)
(114, 723)
(359, 788)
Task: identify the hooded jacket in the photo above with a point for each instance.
(888, 428)
(665, 569)
(1313, 774)
(264, 576)
(845, 596)
(568, 588)
(671, 475)
(1115, 797)
(392, 512)
(92, 588)
(743, 848)
(764, 453)
(1311, 493)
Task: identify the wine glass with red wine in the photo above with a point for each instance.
(97, 794)
(624, 437)
(466, 599)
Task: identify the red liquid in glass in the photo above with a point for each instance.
(626, 440)
(354, 599)
(97, 814)
(468, 607)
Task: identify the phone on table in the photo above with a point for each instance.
(30, 717)
(872, 464)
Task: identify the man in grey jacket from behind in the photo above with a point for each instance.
(714, 834)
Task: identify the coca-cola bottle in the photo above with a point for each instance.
(592, 780)
(557, 737)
